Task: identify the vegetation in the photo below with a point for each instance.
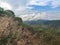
(6, 12)
(14, 32)
(1, 9)
(18, 19)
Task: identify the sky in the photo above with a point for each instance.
(26, 7)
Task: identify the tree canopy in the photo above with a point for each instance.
(7, 12)
(18, 19)
(1, 10)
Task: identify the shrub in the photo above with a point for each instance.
(19, 20)
(9, 13)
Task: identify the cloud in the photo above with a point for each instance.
(52, 3)
(55, 3)
(34, 16)
(25, 6)
(19, 10)
(20, 5)
(39, 16)
(39, 2)
(5, 5)
(53, 16)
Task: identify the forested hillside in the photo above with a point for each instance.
(14, 32)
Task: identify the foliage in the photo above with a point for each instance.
(19, 20)
(9, 11)
(48, 34)
(1, 9)
(6, 12)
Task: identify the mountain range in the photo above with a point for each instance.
(41, 19)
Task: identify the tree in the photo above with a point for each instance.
(1, 10)
(9, 13)
(19, 20)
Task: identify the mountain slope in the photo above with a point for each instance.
(44, 22)
(41, 18)
(14, 32)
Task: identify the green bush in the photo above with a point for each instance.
(9, 13)
(1, 10)
(19, 20)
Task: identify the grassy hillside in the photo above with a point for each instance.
(14, 32)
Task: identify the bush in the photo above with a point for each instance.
(1, 10)
(19, 20)
(9, 13)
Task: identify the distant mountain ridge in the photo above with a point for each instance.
(44, 22)
(41, 18)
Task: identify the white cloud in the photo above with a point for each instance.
(42, 15)
(20, 7)
(54, 3)
(5, 5)
(39, 2)
(33, 16)
(53, 16)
